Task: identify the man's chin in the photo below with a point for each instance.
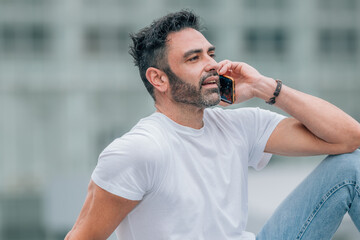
(211, 100)
(211, 91)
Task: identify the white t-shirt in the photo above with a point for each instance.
(192, 183)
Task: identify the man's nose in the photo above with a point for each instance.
(212, 65)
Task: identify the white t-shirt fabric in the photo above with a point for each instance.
(192, 183)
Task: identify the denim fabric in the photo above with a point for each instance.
(315, 209)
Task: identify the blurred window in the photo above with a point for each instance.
(28, 2)
(189, 3)
(92, 40)
(266, 41)
(8, 36)
(38, 38)
(276, 4)
(122, 39)
(338, 4)
(106, 40)
(112, 2)
(338, 42)
(21, 217)
(24, 39)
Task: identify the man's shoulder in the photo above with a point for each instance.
(144, 139)
(150, 128)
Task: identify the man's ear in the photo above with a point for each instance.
(157, 78)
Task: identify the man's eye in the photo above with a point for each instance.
(213, 55)
(193, 58)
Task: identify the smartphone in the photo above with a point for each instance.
(227, 89)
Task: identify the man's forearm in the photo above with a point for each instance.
(323, 119)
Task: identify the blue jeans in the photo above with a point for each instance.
(315, 209)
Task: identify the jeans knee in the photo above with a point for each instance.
(346, 164)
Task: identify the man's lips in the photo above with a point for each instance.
(211, 81)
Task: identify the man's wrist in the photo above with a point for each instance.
(276, 93)
(265, 88)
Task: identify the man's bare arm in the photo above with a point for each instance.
(292, 138)
(317, 127)
(101, 214)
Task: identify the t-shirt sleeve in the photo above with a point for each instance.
(128, 167)
(264, 122)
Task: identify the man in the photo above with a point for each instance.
(181, 173)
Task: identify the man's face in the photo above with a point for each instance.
(192, 69)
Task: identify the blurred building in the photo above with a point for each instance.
(68, 86)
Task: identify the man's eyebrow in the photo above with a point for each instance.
(192, 51)
(211, 49)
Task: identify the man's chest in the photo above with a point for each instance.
(202, 174)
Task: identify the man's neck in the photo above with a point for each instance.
(183, 114)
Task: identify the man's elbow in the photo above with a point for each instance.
(354, 141)
(76, 235)
(351, 148)
(73, 235)
(68, 236)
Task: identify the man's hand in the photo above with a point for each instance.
(248, 81)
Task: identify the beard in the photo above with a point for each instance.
(187, 93)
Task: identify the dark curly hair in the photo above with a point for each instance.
(149, 44)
